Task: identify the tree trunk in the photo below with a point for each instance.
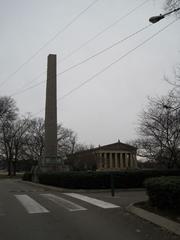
(9, 167)
(14, 164)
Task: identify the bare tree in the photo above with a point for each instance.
(8, 116)
(19, 129)
(175, 83)
(34, 140)
(12, 142)
(83, 158)
(67, 141)
(159, 130)
(23, 139)
(8, 109)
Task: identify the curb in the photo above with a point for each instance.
(156, 219)
(45, 187)
(48, 187)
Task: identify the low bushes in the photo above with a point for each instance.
(27, 176)
(164, 192)
(101, 180)
(84, 180)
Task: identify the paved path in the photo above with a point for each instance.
(30, 212)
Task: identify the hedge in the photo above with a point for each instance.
(27, 176)
(164, 192)
(102, 180)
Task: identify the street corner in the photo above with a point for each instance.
(158, 220)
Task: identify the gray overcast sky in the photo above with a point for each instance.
(107, 107)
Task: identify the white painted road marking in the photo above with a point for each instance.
(92, 201)
(64, 203)
(31, 205)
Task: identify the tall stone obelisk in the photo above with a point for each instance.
(50, 154)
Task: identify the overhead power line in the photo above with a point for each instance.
(104, 30)
(113, 63)
(104, 50)
(28, 88)
(49, 41)
(22, 90)
(87, 59)
(93, 38)
(116, 61)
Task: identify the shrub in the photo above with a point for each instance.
(164, 192)
(101, 180)
(84, 180)
(27, 176)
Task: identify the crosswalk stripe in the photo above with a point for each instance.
(92, 201)
(64, 202)
(31, 205)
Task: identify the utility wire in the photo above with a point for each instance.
(49, 41)
(28, 88)
(93, 38)
(110, 65)
(35, 114)
(87, 59)
(104, 50)
(103, 31)
(116, 61)
(22, 90)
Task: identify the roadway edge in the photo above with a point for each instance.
(60, 189)
(170, 225)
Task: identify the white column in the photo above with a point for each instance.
(126, 161)
(99, 159)
(110, 159)
(121, 161)
(135, 161)
(116, 161)
(132, 161)
(105, 160)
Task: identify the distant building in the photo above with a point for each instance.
(115, 156)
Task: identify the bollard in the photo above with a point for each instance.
(112, 185)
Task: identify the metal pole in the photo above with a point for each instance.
(174, 10)
(112, 185)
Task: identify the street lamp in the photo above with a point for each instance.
(156, 19)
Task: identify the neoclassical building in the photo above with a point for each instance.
(115, 156)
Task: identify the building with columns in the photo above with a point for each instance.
(112, 157)
(116, 156)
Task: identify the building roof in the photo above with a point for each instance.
(117, 146)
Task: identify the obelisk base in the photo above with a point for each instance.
(51, 165)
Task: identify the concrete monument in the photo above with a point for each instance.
(50, 154)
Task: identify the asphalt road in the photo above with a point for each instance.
(33, 213)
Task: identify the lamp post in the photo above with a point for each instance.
(156, 19)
